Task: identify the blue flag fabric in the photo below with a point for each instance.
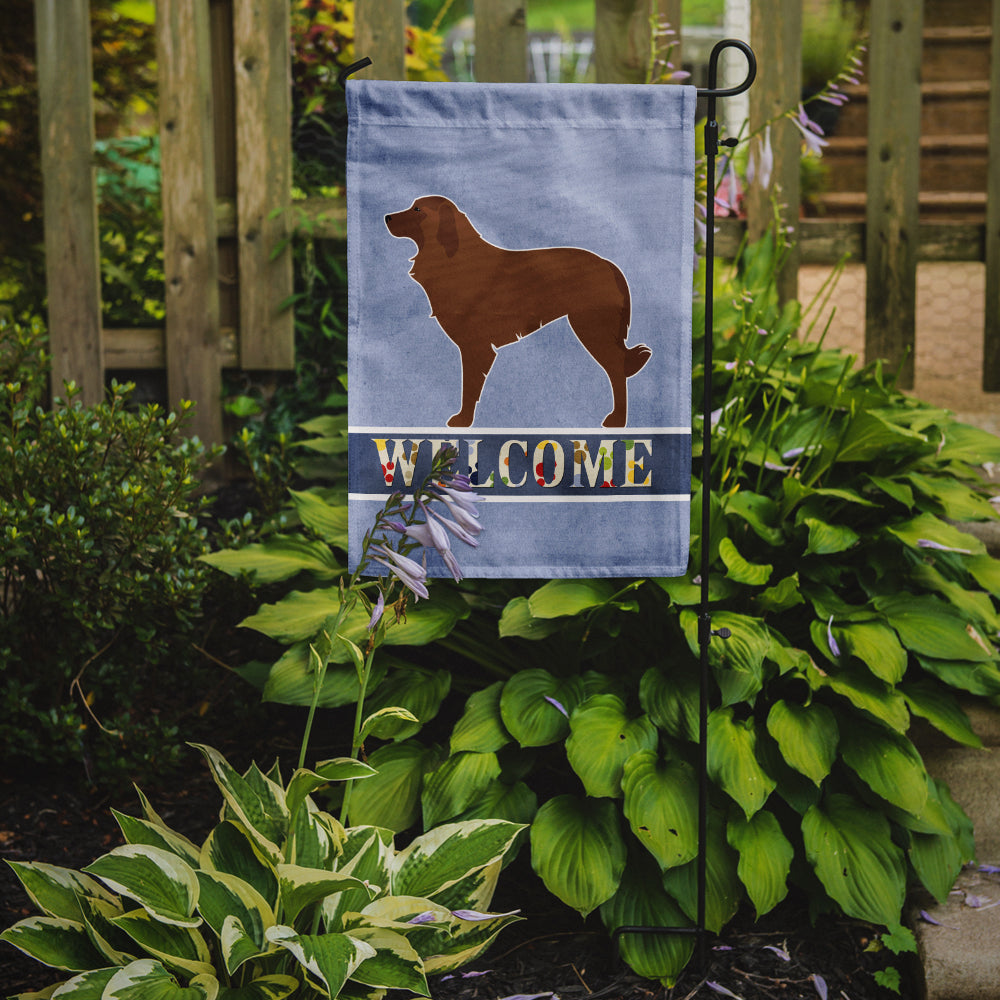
(520, 261)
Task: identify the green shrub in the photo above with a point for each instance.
(99, 540)
(279, 900)
(854, 603)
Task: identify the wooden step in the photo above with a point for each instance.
(947, 162)
(945, 104)
(956, 53)
(957, 206)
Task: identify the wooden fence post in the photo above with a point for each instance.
(776, 35)
(621, 40)
(892, 213)
(72, 256)
(380, 34)
(262, 61)
(501, 38)
(190, 251)
(991, 333)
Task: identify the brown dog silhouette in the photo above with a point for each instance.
(485, 297)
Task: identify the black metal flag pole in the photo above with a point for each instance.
(705, 631)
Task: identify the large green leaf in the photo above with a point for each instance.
(417, 689)
(850, 848)
(765, 858)
(738, 661)
(876, 646)
(932, 628)
(56, 891)
(578, 851)
(723, 889)
(739, 569)
(535, 706)
(671, 699)
(888, 763)
(456, 784)
(481, 728)
(956, 500)
(758, 511)
(941, 709)
(807, 736)
(976, 678)
(54, 941)
(304, 782)
(870, 436)
(661, 799)
(147, 979)
(641, 901)
(866, 692)
(923, 528)
(391, 798)
(164, 885)
(516, 803)
(328, 520)
(291, 680)
(438, 859)
(330, 959)
(280, 557)
(828, 539)
(732, 760)
(517, 620)
(559, 598)
(602, 738)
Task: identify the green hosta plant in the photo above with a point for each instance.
(279, 900)
(855, 604)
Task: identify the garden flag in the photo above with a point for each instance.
(520, 274)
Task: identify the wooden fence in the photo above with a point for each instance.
(226, 161)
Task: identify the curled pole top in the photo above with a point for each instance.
(713, 90)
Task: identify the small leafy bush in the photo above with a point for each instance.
(855, 605)
(280, 899)
(101, 584)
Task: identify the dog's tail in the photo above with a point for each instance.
(635, 358)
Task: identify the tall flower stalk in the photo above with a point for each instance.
(442, 506)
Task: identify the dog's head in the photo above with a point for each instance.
(429, 219)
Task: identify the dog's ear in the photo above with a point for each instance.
(447, 233)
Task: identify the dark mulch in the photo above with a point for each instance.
(552, 951)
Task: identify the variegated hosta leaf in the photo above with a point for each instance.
(661, 799)
(850, 847)
(476, 890)
(723, 889)
(256, 801)
(395, 964)
(225, 897)
(147, 979)
(177, 947)
(642, 902)
(602, 737)
(273, 987)
(732, 760)
(230, 849)
(116, 947)
(300, 887)
(578, 851)
(315, 838)
(329, 959)
(304, 782)
(765, 858)
(535, 706)
(54, 941)
(86, 986)
(367, 853)
(456, 784)
(158, 880)
(807, 736)
(441, 857)
(888, 763)
(391, 799)
(481, 727)
(56, 891)
(141, 831)
(467, 940)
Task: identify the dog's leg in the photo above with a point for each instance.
(476, 365)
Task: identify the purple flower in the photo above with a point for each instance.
(927, 543)
(427, 917)
(834, 648)
(558, 705)
(719, 988)
(820, 983)
(811, 132)
(410, 573)
(462, 534)
(475, 915)
(780, 952)
(761, 163)
(377, 612)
